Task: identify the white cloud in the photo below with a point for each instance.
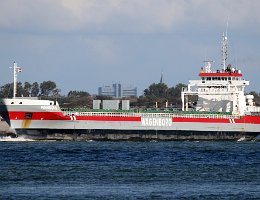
(123, 15)
(239, 12)
(117, 15)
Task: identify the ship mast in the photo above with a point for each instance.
(224, 48)
(15, 79)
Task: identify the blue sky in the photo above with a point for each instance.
(84, 44)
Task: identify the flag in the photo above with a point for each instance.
(19, 69)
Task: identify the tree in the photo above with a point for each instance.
(6, 91)
(103, 97)
(35, 89)
(77, 99)
(256, 97)
(74, 93)
(161, 94)
(19, 89)
(176, 91)
(175, 94)
(47, 88)
(56, 92)
(156, 90)
(27, 89)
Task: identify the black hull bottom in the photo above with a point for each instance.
(131, 135)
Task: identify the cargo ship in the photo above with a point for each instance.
(222, 111)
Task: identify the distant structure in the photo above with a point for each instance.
(161, 80)
(117, 91)
(111, 104)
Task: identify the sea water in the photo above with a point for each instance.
(129, 170)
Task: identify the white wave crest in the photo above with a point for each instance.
(12, 139)
(242, 139)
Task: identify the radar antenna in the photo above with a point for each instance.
(207, 66)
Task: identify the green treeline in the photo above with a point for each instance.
(162, 94)
(46, 88)
(156, 93)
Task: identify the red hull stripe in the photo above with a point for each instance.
(106, 118)
(38, 116)
(220, 74)
(201, 120)
(249, 120)
(60, 116)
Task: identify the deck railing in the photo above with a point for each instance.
(151, 114)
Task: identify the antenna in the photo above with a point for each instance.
(225, 47)
(224, 50)
(227, 25)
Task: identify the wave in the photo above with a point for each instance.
(242, 139)
(14, 139)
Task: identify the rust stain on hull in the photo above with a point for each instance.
(26, 123)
